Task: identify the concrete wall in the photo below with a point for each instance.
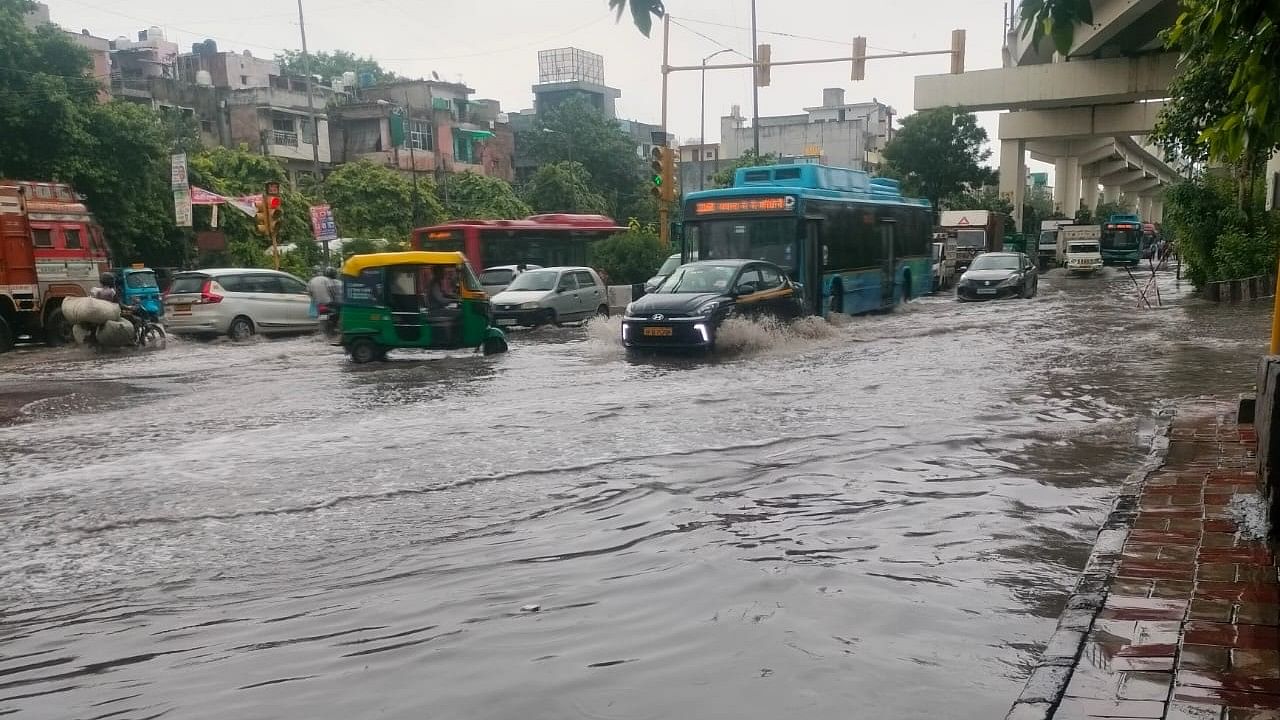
(1266, 420)
(841, 144)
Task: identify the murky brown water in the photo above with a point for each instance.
(876, 519)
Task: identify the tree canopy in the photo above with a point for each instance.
(724, 177)
(939, 152)
(642, 12)
(564, 187)
(330, 64)
(480, 197)
(373, 201)
(575, 131)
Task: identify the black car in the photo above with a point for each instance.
(997, 275)
(687, 309)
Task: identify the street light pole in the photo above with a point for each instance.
(311, 104)
(755, 85)
(702, 139)
(413, 162)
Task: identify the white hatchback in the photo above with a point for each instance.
(237, 302)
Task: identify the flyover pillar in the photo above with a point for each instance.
(1089, 195)
(1073, 187)
(1111, 193)
(1144, 208)
(1061, 178)
(1157, 210)
(1013, 176)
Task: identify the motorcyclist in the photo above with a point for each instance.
(326, 293)
(106, 290)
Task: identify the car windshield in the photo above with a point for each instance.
(1090, 248)
(145, 279)
(669, 266)
(497, 276)
(699, 279)
(995, 262)
(535, 280)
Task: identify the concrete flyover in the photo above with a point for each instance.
(1084, 112)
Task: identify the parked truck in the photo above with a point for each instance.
(51, 248)
(974, 232)
(1048, 250)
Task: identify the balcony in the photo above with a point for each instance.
(287, 138)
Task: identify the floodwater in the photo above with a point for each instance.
(878, 518)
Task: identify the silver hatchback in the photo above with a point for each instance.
(237, 302)
(551, 296)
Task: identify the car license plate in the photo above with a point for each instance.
(504, 322)
(657, 331)
(182, 309)
(986, 291)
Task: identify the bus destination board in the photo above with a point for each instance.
(728, 206)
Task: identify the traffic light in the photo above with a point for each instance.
(859, 55)
(263, 219)
(957, 52)
(659, 173)
(274, 212)
(764, 54)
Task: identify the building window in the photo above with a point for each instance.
(308, 132)
(244, 79)
(420, 137)
(206, 125)
(71, 239)
(709, 155)
(42, 237)
(464, 149)
(284, 130)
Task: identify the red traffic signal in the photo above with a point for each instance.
(273, 202)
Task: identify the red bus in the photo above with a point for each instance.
(545, 240)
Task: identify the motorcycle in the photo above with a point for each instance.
(328, 316)
(148, 332)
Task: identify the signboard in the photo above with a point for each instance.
(200, 196)
(322, 224)
(782, 203)
(182, 207)
(178, 171)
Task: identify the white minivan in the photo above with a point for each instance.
(237, 302)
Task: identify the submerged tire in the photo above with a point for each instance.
(494, 346)
(836, 303)
(602, 311)
(57, 331)
(241, 328)
(6, 336)
(365, 350)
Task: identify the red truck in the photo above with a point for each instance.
(51, 248)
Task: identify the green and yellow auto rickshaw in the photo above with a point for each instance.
(425, 300)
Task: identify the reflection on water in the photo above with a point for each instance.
(805, 525)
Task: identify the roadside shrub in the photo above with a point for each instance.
(629, 257)
(1240, 253)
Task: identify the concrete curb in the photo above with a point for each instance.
(1048, 680)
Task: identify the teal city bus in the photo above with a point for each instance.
(1122, 240)
(852, 242)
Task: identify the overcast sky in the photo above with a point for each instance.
(493, 46)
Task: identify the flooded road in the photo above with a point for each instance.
(878, 518)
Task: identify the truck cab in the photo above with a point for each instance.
(974, 232)
(1081, 248)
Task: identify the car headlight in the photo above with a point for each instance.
(1009, 282)
(529, 306)
(707, 309)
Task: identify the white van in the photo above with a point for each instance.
(1084, 257)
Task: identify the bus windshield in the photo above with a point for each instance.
(699, 279)
(771, 239)
(1120, 238)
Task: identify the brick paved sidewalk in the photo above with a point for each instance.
(1188, 629)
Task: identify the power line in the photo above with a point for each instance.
(710, 39)
(778, 33)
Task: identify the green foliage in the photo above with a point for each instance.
(938, 153)
(642, 12)
(480, 197)
(630, 257)
(331, 64)
(748, 158)
(1198, 213)
(1054, 19)
(575, 131)
(1241, 253)
(373, 201)
(986, 197)
(1196, 99)
(237, 172)
(564, 187)
(1245, 35)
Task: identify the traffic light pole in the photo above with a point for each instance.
(664, 205)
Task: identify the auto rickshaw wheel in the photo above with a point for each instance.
(494, 346)
(364, 350)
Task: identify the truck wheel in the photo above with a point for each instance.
(57, 331)
(6, 336)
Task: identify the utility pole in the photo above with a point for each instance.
(664, 207)
(311, 103)
(755, 85)
(413, 163)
